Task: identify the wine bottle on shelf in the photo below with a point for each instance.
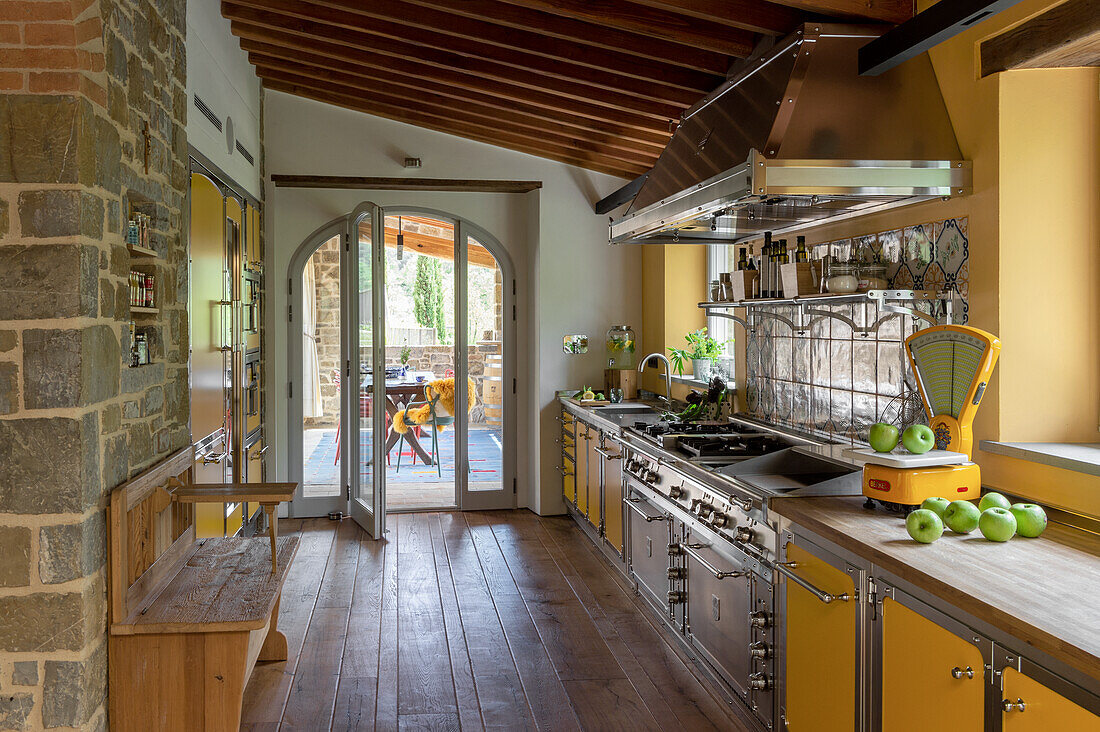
(766, 266)
(800, 253)
(742, 263)
(752, 258)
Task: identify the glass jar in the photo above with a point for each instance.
(715, 291)
(842, 279)
(872, 277)
(620, 347)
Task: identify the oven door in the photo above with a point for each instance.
(650, 536)
(719, 600)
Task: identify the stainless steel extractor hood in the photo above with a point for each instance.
(795, 137)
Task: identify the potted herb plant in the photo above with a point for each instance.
(701, 350)
(406, 352)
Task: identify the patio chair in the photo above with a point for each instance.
(364, 413)
(437, 420)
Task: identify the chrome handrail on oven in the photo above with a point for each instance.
(631, 503)
(784, 568)
(718, 574)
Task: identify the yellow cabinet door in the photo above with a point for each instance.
(581, 448)
(821, 648)
(922, 660)
(595, 509)
(1044, 709)
(568, 450)
(613, 498)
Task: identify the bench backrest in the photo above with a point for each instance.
(150, 534)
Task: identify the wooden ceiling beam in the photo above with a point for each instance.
(600, 36)
(522, 142)
(368, 63)
(342, 25)
(1067, 35)
(309, 32)
(757, 16)
(886, 11)
(426, 100)
(528, 41)
(634, 18)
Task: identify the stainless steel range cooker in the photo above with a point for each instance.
(702, 546)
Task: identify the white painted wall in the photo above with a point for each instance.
(568, 279)
(219, 72)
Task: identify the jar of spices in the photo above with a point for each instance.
(872, 277)
(842, 279)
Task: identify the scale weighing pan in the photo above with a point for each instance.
(929, 459)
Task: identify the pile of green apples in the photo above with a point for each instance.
(917, 438)
(994, 516)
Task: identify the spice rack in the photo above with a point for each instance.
(893, 303)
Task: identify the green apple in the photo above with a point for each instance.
(883, 437)
(993, 500)
(1031, 519)
(924, 525)
(918, 438)
(961, 516)
(997, 524)
(936, 505)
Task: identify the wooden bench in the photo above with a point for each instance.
(188, 618)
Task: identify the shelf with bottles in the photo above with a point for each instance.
(140, 352)
(143, 294)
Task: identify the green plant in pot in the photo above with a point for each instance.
(701, 350)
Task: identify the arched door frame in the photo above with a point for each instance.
(463, 228)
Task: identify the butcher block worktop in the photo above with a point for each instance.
(1044, 591)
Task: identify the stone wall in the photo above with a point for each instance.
(85, 86)
(326, 270)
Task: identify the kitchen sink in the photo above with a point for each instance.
(624, 409)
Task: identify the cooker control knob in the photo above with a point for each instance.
(649, 475)
(760, 649)
(676, 491)
(676, 597)
(759, 681)
(719, 520)
(744, 535)
(695, 504)
(675, 573)
(675, 550)
(759, 619)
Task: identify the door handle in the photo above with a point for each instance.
(562, 470)
(211, 458)
(632, 505)
(958, 673)
(1008, 705)
(259, 454)
(689, 549)
(608, 456)
(784, 568)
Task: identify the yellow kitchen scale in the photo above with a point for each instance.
(952, 364)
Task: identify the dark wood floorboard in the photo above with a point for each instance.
(469, 621)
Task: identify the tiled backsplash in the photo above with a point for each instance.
(834, 381)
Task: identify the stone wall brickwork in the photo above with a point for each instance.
(91, 91)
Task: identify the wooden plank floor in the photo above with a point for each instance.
(498, 620)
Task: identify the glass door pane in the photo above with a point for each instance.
(489, 379)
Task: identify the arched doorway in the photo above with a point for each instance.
(429, 299)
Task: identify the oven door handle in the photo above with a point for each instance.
(631, 503)
(785, 569)
(689, 549)
(608, 456)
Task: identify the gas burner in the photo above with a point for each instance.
(733, 446)
(693, 428)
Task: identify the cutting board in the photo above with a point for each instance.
(589, 403)
(907, 459)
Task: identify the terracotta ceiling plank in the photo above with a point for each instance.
(627, 16)
(310, 32)
(600, 36)
(887, 11)
(494, 133)
(424, 98)
(757, 16)
(367, 63)
(450, 24)
(404, 116)
(308, 64)
(362, 31)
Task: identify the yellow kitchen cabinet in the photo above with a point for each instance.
(568, 451)
(923, 660)
(613, 495)
(1035, 707)
(595, 507)
(821, 645)
(581, 471)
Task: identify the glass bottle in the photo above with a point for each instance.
(620, 347)
(800, 253)
(742, 263)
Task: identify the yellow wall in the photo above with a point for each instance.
(674, 278)
(1034, 252)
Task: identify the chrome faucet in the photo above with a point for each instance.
(668, 375)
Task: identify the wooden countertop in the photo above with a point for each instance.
(1044, 591)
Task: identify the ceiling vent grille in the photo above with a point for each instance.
(244, 152)
(208, 113)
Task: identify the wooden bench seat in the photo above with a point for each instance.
(188, 619)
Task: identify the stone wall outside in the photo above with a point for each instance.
(79, 82)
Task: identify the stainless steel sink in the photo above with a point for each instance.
(624, 409)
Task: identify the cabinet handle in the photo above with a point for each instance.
(562, 470)
(259, 454)
(718, 574)
(211, 458)
(1008, 706)
(784, 568)
(958, 673)
(631, 503)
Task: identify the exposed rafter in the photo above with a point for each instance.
(886, 11)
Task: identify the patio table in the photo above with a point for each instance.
(399, 394)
